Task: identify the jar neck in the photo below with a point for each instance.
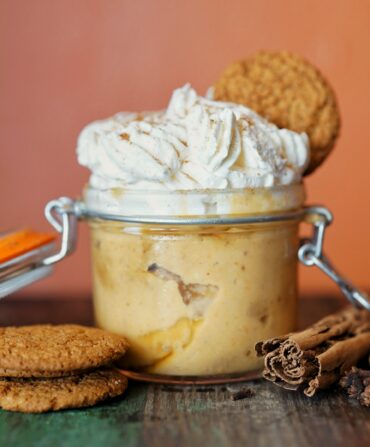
(230, 202)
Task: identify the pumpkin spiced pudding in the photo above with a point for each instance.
(193, 299)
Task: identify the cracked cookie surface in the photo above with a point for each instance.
(289, 92)
(56, 350)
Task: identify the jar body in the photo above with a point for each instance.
(195, 300)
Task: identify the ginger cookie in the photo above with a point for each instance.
(41, 395)
(289, 92)
(56, 350)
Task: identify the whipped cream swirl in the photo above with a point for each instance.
(196, 143)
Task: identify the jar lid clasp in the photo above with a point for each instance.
(311, 254)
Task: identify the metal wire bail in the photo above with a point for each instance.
(62, 215)
(311, 253)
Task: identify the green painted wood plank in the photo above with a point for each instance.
(116, 423)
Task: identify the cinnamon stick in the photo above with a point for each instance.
(317, 357)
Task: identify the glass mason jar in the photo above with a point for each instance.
(194, 299)
(193, 279)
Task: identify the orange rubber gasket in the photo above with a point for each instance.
(15, 244)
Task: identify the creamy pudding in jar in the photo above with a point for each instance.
(193, 299)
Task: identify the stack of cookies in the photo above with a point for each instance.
(46, 367)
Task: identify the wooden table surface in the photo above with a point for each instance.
(163, 415)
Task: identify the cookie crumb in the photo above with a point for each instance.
(244, 393)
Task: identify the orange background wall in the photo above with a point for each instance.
(65, 63)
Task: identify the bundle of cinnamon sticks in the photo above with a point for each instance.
(319, 356)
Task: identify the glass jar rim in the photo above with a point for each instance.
(198, 191)
(201, 203)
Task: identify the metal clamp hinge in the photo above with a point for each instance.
(62, 215)
(311, 253)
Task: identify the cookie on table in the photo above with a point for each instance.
(56, 350)
(52, 394)
(289, 92)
